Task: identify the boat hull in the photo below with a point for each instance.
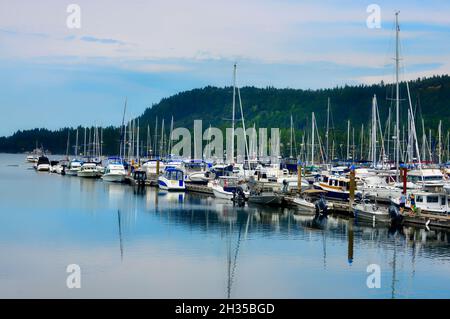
(87, 174)
(114, 178)
(372, 215)
(273, 200)
(334, 193)
(43, 168)
(171, 185)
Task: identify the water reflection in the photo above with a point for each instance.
(153, 243)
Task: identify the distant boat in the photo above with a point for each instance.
(32, 158)
(172, 180)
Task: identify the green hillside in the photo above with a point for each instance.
(268, 107)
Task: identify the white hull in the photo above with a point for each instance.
(87, 174)
(371, 212)
(117, 178)
(72, 171)
(170, 185)
(222, 194)
(43, 168)
(303, 204)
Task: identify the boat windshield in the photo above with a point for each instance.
(174, 175)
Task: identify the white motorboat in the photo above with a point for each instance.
(172, 180)
(88, 170)
(196, 172)
(32, 158)
(150, 166)
(114, 172)
(43, 164)
(226, 186)
(426, 177)
(73, 167)
(427, 202)
(304, 204)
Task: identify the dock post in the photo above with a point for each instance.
(405, 178)
(157, 168)
(352, 188)
(299, 177)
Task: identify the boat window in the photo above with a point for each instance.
(443, 201)
(325, 179)
(432, 199)
(419, 199)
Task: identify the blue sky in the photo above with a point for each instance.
(52, 76)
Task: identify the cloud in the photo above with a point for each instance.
(100, 40)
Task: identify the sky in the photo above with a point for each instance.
(54, 76)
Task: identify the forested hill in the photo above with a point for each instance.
(268, 107)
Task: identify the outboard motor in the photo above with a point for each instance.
(321, 208)
(239, 196)
(285, 186)
(395, 215)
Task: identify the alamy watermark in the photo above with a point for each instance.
(73, 20)
(373, 21)
(74, 278)
(374, 279)
(252, 143)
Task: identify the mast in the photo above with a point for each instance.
(149, 143)
(234, 110)
(389, 135)
(161, 145)
(448, 146)
(348, 140)
(312, 140)
(122, 131)
(431, 156)
(68, 142)
(328, 128)
(292, 127)
(440, 143)
(137, 141)
(353, 144)
(84, 145)
(155, 137)
(362, 141)
(397, 97)
(424, 141)
(101, 142)
(170, 137)
(374, 131)
(76, 144)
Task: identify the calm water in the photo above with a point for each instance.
(169, 245)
